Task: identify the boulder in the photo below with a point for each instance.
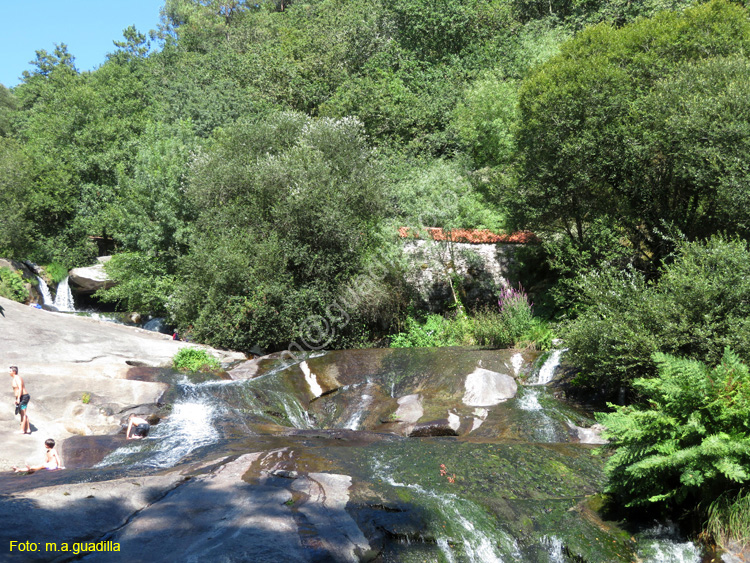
(91, 278)
(485, 388)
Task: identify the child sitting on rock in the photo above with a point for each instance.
(51, 460)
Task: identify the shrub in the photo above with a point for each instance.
(490, 330)
(56, 272)
(689, 442)
(698, 307)
(435, 331)
(515, 311)
(513, 325)
(195, 359)
(12, 286)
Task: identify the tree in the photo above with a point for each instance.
(15, 228)
(289, 210)
(8, 111)
(608, 130)
(698, 306)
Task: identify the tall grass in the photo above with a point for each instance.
(511, 325)
(729, 519)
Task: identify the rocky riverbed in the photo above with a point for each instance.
(449, 455)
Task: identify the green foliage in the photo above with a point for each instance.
(436, 330)
(632, 125)
(288, 213)
(438, 193)
(689, 442)
(142, 283)
(86, 398)
(16, 231)
(699, 306)
(56, 272)
(512, 326)
(12, 286)
(729, 518)
(195, 359)
(486, 120)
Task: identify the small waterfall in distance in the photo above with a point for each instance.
(547, 371)
(64, 297)
(44, 290)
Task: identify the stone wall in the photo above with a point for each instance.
(481, 268)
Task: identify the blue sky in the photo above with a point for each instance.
(88, 27)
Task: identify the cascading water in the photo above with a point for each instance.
(44, 290)
(189, 426)
(465, 531)
(543, 427)
(64, 297)
(366, 399)
(663, 544)
(547, 371)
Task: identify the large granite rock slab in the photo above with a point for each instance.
(63, 358)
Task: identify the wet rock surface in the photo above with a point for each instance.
(282, 463)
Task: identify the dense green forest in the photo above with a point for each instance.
(249, 162)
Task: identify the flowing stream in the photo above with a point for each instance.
(509, 494)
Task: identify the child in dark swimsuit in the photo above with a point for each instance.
(137, 428)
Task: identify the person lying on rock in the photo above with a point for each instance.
(138, 428)
(51, 460)
(22, 399)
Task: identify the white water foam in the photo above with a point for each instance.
(187, 428)
(547, 372)
(662, 544)
(543, 425)
(312, 381)
(44, 290)
(517, 362)
(354, 420)
(530, 400)
(64, 297)
(554, 549)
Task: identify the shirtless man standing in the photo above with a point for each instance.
(22, 399)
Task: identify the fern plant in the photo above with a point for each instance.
(689, 441)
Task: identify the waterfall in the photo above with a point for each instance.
(544, 427)
(663, 544)
(64, 297)
(353, 422)
(547, 371)
(188, 427)
(44, 290)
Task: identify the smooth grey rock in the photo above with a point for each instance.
(91, 278)
(592, 435)
(75, 512)
(325, 508)
(215, 517)
(486, 388)
(409, 408)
